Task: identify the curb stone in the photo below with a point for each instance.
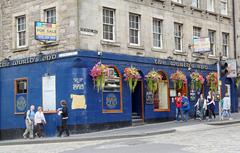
(227, 122)
(72, 139)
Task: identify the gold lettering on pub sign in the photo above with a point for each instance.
(28, 60)
(180, 64)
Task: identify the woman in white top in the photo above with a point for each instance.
(39, 122)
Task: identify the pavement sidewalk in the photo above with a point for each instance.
(127, 132)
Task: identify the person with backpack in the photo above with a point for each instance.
(29, 121)
(64, 117)
(185, 108)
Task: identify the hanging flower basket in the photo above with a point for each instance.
(238, 80)
(131, 76)
(98, 73)
(197, 81)
(212, 80)
(153, 78)
(179, 79)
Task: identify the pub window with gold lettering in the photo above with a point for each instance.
(20, 95)
(112, 92)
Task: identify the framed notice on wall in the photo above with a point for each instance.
(49, 93)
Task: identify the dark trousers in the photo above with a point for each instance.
(64, 127)
(39, 129)
(210, 111)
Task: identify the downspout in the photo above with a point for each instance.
(234, 30)
(78, 28)
(1, 30)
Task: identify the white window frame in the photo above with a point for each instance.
(210, 5)
(196, 32)
(21, 31)
(224, 7)
(109, 24)
(196, 3)
(178, 35)
(158, 33)
(46, 17)
(134, 28)
(225, 44)
(177, 1)
(212, 42)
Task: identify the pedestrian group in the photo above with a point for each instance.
(35, 122)
(204, 107)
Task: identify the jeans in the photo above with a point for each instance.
(202, 113)
(29, 129)
(226, 113)
(179, 111)
(185, 115)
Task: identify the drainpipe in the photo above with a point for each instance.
(78, 28)
(1, 31)
(234, 29)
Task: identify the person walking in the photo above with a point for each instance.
(201, 106)
(178, 102)
(211, 105)
(185, 108)
(226, 107)
(29, 121)
(64, 118)
(39, 122)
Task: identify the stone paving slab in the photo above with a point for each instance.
(127, 132)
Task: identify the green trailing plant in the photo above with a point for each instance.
(131, 76)
(179, 79)
(153, 78)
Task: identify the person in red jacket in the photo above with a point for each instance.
(178, 102)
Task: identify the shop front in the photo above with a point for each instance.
(94, 104)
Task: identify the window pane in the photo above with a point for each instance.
(50, 15)
(21, 86)
(108, 23)
(134, 28)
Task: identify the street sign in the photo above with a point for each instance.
(232, 68)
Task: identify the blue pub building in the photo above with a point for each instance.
(44, 80)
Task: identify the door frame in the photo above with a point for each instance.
(142, 99)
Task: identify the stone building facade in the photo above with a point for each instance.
(122, 34)
(80, 25)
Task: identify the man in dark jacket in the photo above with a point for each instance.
(64, 117)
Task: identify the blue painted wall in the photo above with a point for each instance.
(67, 68)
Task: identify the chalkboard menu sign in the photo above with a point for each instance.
(193, 95)
(149, 97)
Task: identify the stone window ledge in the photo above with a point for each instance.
(213, 57)
(211, 13)
(177, 4)
(198, 55)
(20, 49)
(225, 16)
(196, 9)
(158, 50)
(110, 43)
(135, 47)
(179, 53)
(163, 1)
